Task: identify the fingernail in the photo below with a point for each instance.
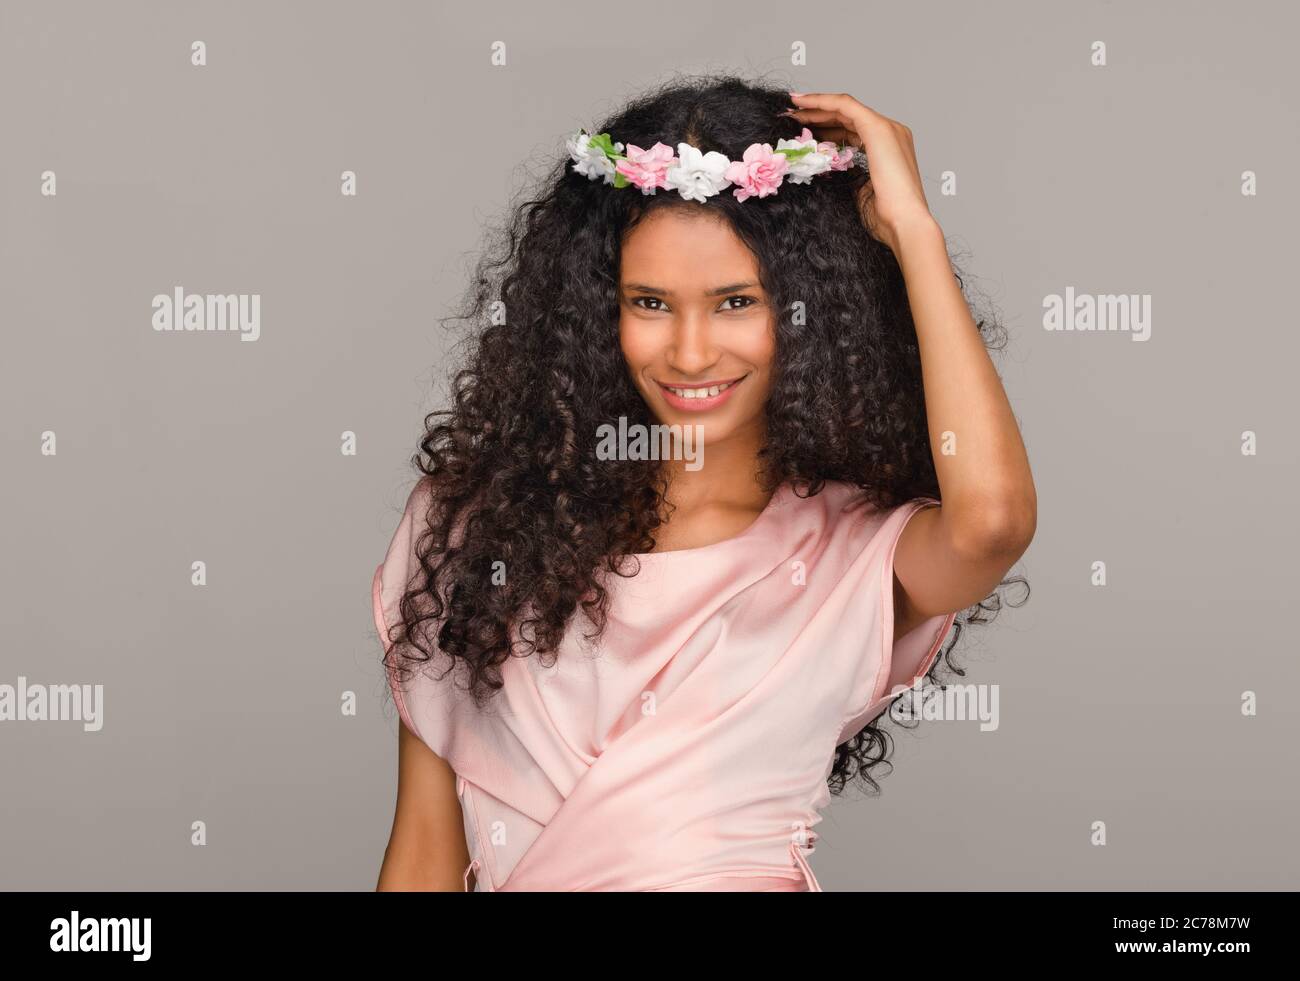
(795, 93)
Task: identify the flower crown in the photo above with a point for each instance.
(697, 176)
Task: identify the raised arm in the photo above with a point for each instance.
(949, 557)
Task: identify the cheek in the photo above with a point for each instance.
(761, 353)
(628, 345)
(640, 347)
(760, 349)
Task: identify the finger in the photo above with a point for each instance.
(836, 102)
(828, 117)
(814, 115)
(824, 100)
(862, 123)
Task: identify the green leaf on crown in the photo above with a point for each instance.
(607, 146)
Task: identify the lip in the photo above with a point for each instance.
(704, 404)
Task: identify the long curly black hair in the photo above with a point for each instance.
(512, 466)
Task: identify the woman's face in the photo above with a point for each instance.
(693, 315)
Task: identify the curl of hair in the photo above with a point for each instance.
(512, 464)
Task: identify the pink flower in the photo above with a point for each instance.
(647, 169)
(759, 173)
(840, 159)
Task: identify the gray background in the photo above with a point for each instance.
(1118, 704)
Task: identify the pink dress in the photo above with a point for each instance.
(690, 751)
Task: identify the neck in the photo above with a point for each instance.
(730, 475)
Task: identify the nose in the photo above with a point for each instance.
(693, 348)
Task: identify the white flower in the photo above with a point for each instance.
(804, 169)
(697, 175)
(590, 160)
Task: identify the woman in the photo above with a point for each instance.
(644, 661)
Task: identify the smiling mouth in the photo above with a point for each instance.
(704, 391)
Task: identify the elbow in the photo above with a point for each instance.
(1003, 527)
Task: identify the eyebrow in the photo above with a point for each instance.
(731, 288)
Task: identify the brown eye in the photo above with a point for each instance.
(653, 299)
(749, 301)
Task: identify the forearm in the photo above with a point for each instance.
(427, 849)
(407, 869)
(979, 457)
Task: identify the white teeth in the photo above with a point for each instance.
(700, 393)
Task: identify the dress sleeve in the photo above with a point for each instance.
(424, 699)
(890, 668)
